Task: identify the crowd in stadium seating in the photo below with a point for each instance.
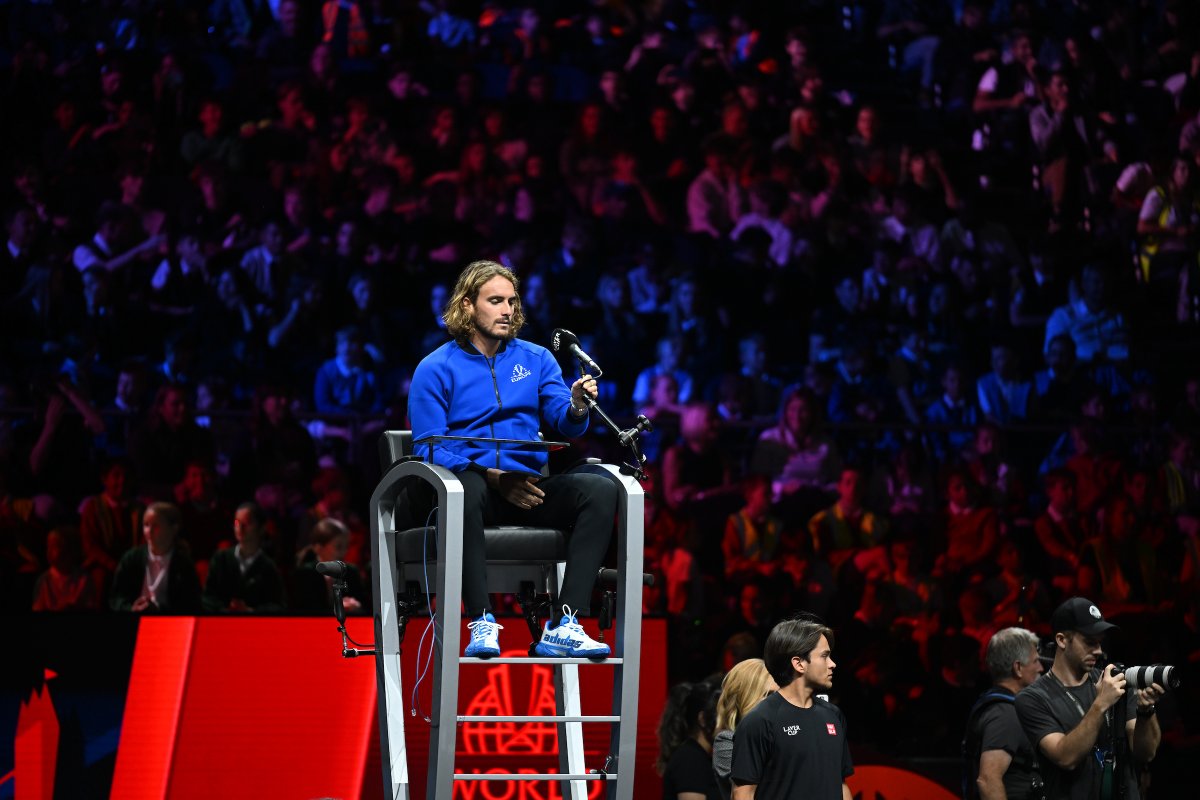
(910, 291)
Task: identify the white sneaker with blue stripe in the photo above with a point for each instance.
(485, 637)
(569, 641)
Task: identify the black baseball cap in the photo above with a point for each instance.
(1080, 614)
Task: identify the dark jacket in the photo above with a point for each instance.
(183, 587)
(260, 588)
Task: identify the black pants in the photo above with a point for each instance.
(583, 504)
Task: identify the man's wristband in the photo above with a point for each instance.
(1148, 711)
(578, 411)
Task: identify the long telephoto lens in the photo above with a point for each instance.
(1162, 674)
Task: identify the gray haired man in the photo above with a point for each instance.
(1000, 762)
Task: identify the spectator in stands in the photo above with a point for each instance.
(211, 142)
(1004, 94)
(846, 529)
(1168, 221)
(714, 199)
(244, 577)
(109, 524)
(103, 249)
(266, 268)
(157, 577)
(619, 338)
(925, 182)
(690, 318)
(685, 733)
(1060, 388)
(65, 586)
(280, 450)
(205, 516)
(1016, 594)
(971, 530)
(1061, 531)
(1099, 330)
(167, 442)
(346, 383)
(1178, 474)
(956, 409)
(752, 534)
(988, 461)
(695, 469)
(910, 372)
(794, 451)
(1004, 396)
(312, 591)
(767, 201)
(1120, 565)
(763, 385)
(180, 284)
(1095, 466)
(909, 226)
(858, 394)
(670, 358)
(1064, 142)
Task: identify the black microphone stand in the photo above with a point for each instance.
(339, 611)
(626, 438)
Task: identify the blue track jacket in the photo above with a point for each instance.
(457, 391)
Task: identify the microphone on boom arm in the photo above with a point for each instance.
(563, 340)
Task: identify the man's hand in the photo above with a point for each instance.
(1148, 697)
(520, 489)
(586, 383)
(143, 603)
(1110, 688)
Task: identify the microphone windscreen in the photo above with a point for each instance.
(562, 339)
(334, 569)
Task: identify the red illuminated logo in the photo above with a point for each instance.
(533, 745)
(890, 783)
(496, 698)
(36, 745)
(831, 729)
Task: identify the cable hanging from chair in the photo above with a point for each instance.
(435, 641)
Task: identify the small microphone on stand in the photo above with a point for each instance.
(334, 569)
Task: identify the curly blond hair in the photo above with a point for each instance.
(459, 321)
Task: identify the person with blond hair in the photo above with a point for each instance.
(742, 689)
(488, 383)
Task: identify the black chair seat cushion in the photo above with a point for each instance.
(507, 543)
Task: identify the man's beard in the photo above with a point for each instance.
(508, 334)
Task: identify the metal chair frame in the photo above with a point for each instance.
(391, 609)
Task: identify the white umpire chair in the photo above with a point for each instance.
(517, 557)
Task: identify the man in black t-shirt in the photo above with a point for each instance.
(1069, 713)
(999, 756)
(793, 744)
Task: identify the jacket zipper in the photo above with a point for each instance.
(491, 362)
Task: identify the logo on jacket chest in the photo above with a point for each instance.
(791, 730)
(519, 373)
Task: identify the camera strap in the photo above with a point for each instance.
(1104, 758)
(1075, 700)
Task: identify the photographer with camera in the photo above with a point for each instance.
(1090, 733)
(1000, 763)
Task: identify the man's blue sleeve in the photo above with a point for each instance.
(428, 405)
(554, 397)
